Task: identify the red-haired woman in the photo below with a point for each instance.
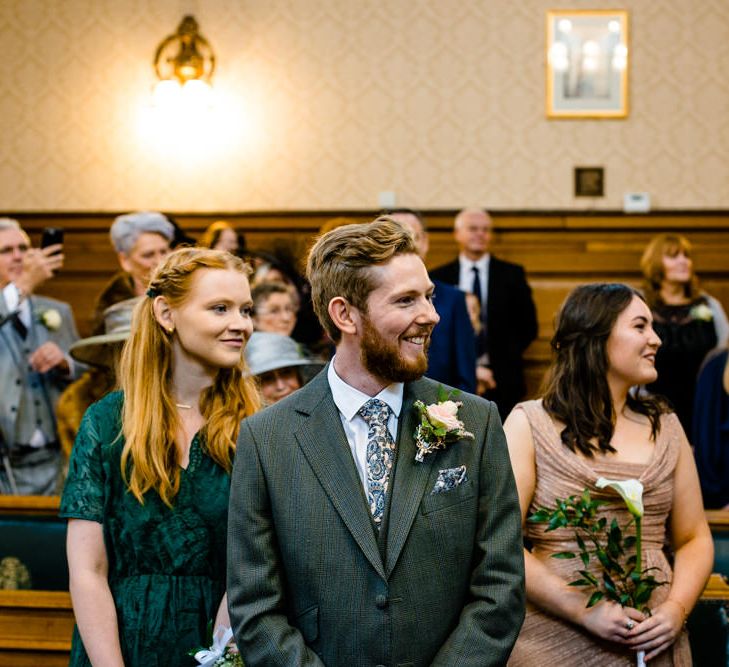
(147, 489)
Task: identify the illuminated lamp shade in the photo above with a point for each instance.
(184, 64)
(167, 93)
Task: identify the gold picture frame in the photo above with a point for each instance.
(587, 58)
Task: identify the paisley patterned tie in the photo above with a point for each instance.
(380, 454)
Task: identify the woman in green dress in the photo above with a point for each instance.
(147, 489)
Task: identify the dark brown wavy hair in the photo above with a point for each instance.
(576, 390)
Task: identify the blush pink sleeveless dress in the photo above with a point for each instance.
(545, 639)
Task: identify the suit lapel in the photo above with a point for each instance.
(411, 477)
(325, 446)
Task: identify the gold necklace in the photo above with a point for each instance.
(183, 406)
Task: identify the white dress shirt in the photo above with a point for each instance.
(349, 401)
(465, 277)
(11, 295)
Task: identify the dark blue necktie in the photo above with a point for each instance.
(18, 325)
(476, 287)
(481, 339)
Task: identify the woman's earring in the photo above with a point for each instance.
(170, 330)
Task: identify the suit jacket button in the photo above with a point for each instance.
(381, 601)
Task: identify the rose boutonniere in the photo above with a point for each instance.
(51, 319)
(701, 312)
(439, 424)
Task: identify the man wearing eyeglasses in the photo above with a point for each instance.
(35, 335)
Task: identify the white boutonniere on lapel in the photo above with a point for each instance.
(50, 319)
(701, 312)
(439, 424)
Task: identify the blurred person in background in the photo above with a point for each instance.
(101, 355)
(282, 263)
(689, 322)
(508, 313)
(141, 241)
(711, 430)
(220, 235)
(279, 364)
(274, 308)
(35, 336)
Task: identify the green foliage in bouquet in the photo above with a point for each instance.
(623, 579)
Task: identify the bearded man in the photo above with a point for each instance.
(343, 547)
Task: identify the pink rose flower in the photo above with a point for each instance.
(444, 415)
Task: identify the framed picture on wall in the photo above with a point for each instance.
(587, 64)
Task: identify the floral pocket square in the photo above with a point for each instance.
(449, 479)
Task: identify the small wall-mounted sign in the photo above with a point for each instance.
(636, 202)
(589, 181)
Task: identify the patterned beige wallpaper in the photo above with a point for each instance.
(322, 104)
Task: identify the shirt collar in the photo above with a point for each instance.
(11, 296)
(482, 263)
(349, 400)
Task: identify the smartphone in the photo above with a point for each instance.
(52, 236)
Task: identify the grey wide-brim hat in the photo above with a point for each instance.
(270, 351)
(99, 350)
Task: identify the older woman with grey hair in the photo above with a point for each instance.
(141, 240)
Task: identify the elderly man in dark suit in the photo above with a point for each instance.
(508, 315)
(452, 351)
(34, 340)
(348, 544)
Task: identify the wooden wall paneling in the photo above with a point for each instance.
(35, 628)
(559, 251)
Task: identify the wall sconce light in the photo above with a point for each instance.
(184, 63)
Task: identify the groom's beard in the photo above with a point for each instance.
(382, 357)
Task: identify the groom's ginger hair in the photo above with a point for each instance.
(340, 260)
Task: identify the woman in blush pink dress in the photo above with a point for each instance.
(588, 425)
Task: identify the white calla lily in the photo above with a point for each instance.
(631, 491)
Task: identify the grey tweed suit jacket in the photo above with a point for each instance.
(308, 583)
(13, 355)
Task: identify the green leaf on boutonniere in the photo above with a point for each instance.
(564, 554)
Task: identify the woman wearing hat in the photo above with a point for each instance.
(101, 354)
(279, 364)
(147, 489)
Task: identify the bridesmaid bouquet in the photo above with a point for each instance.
(623, 578)
(220, 654)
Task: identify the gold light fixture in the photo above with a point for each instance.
(184, 63)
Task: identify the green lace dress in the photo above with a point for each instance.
(166, 566)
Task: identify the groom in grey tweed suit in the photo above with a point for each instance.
(342, 548)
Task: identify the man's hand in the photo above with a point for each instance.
(484, 380)
(38, 266)
(47, 357)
